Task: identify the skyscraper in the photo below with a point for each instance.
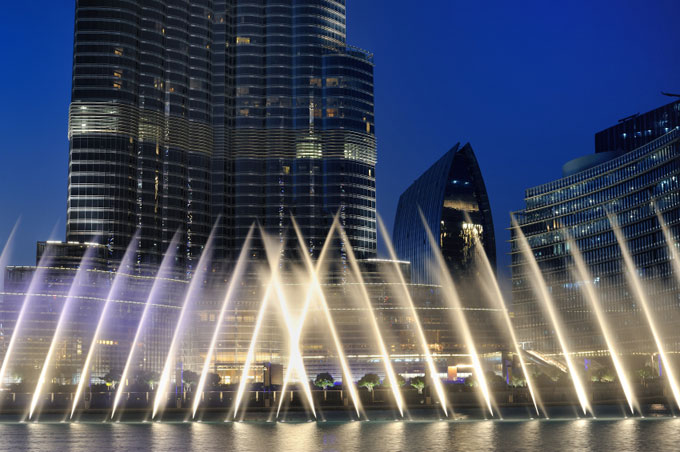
(452, 197)
(186, 112)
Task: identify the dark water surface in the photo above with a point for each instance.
(649, 434)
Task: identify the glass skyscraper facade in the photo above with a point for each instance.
(184, 113)
(452, 197)
(624, 184)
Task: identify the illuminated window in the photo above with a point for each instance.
(117, 85)
(242, 40)
(332, 81)
(244, 112)
(286, 170)
(315, 82)
(118, 51)
(117, 74)
(331, 112)
(242, 90)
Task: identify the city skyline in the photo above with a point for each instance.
(401, 126)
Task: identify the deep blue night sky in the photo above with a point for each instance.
(527, 83)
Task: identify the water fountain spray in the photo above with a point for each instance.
(4, 256)
(389, 370)
(294, 340)
(584, 275)
(500, 302)
(436, 381)
(166, 264)
(640, 295)
(234, 280)
(243, 383)
(36, 279)
(314, 275)
(113, 292)
(85, 265)
(196, 281)
(452, 295)
(542, 292)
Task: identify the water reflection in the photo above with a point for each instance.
(537, 435)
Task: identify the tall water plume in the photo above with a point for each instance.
(116, 286)
(542, 292)
(584, 275)
(452, 297)
(389, 370)
(233, 283)
(436, 381)
(85, 265)
(496, 294)
(641, 297)
(196, 281)
(164, 271)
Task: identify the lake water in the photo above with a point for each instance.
(651, 434)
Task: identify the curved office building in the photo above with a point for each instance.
(624, 184)
(453, 199)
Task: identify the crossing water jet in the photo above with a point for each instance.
(641, 297)
(127, 262)
(316, 285)
(584, 275)
(436, 381)
(452, 296)
(500, 302)
(4, 256)
(196, 281)
(85, 264)
(389, 370)
(235, 277)
(273, 255)
(542, 292)
(165, 267)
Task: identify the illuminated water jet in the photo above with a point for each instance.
(389, 370)
(436, 381)
(65, 310)
(314, 275)
(452, 295)
(296, 354)
(500, 301)
(295, 336)
(236, 275)
(636, 284)
(165, 264)
(84, 374)
(543, 293)
(196, 281)
(585, 276)
(243, 383)
(25, 305)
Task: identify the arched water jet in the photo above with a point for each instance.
(452, 295)
(389, 370)
(196, 280)
(295, 353)
(542, 292)
(37, 277)
(165, 266)
(84, 374)
(314, 275)
(84, 266)
(500, 301)
(436, 381)
(584, 275)
(641, 297)
(236, 275)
